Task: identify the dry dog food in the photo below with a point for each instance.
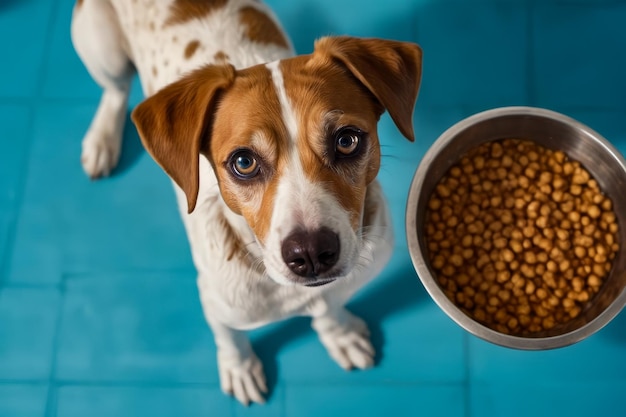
(520, 236)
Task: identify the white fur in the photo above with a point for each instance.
(288, 113)
(235, 295)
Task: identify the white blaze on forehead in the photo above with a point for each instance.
(288, 203)
(288, 114)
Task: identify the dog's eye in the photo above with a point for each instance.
(244, 164)
(348, 142)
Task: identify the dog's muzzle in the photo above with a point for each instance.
(311, 254)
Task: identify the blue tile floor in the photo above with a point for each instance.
(99, 314)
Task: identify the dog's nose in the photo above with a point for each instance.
(311, 253)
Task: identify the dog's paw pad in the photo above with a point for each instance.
(242, 378)
(99, 157)
(348, 342)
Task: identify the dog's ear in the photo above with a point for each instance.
(390, 70)
(174, 124)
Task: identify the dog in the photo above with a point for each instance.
(273, 158)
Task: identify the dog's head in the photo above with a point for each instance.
(293, 145)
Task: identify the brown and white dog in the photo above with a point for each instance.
(273, 158)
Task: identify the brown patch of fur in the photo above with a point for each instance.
(182, 11)
(221, 57)
(79, 3)
(261, 28)
(191, 48)
(251, 98)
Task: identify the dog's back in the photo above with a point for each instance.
(166, 39)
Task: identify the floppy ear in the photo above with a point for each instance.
(174, 124)
(391, 70)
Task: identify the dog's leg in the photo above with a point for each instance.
(346, 338)
(241, 371)
(98, 41)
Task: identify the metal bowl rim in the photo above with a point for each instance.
(428, 280)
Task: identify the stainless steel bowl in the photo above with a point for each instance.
(551, 130)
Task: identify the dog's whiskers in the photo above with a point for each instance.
(372, 234)
(255, 260)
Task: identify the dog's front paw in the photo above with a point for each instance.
(242, 378)
(100, 155)
(347, 340)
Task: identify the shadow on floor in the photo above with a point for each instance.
(615, 331)
(132, 148)
(8, 4)
(400, 291)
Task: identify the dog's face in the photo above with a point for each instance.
(293, 145)
(295, 160)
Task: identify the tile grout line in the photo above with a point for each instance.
(51, 400)
(47, 57)
(282, 399)
(30, 103)
(5, 260)
(132, 384)
(467, 374)
(50, 100)
(50, 404)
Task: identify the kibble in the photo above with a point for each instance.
(521, 237)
